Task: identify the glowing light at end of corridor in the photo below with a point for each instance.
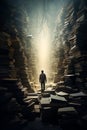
(43, 49)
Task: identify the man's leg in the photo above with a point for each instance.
(42, 87)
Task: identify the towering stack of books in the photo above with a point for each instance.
(74, 39)
(4, 57)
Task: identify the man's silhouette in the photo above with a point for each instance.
(42, 80)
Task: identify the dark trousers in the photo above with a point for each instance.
(42, 86)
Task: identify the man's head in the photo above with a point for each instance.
(42, 71)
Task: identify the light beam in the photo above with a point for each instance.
(43, 49)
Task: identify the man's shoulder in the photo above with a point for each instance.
(44, 74)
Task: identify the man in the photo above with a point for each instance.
(42, 80)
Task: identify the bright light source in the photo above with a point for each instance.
(43, 50)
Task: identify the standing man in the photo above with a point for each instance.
(42, 80)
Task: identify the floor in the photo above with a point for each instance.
(39, 125)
